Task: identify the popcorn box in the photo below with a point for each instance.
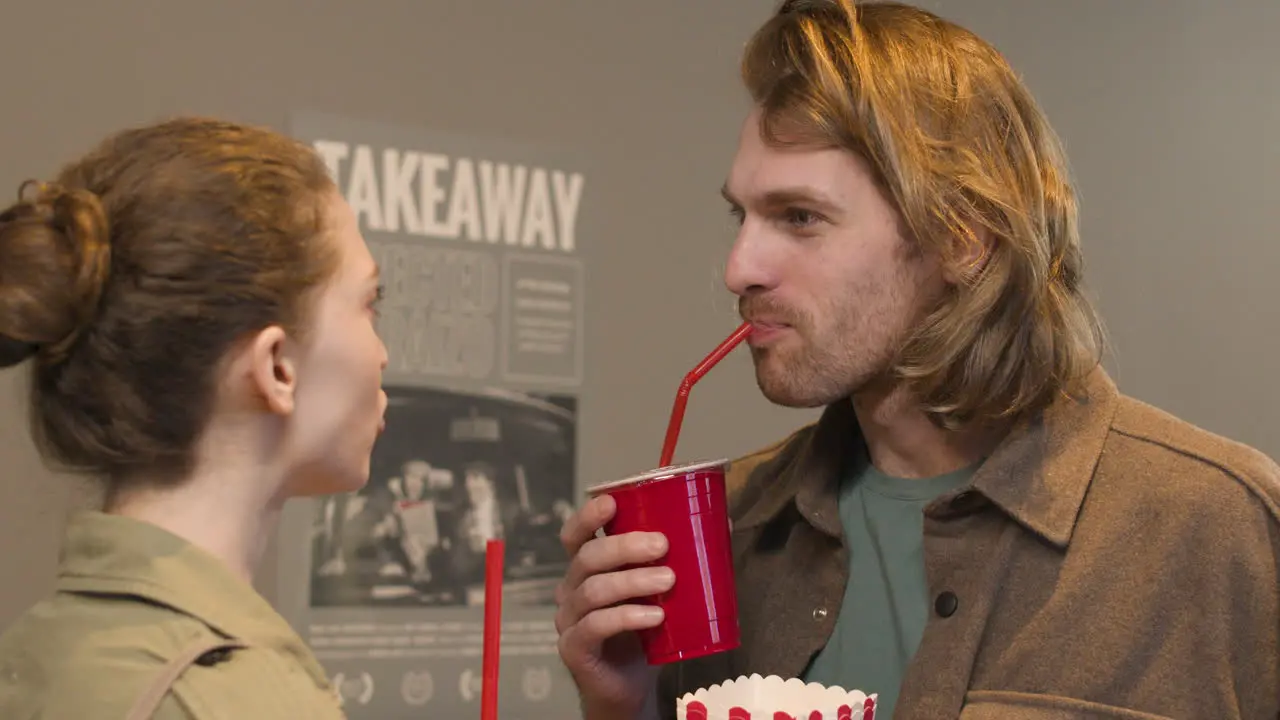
(772, 698)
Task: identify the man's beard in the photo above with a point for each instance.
(798, 373)
(813, 366)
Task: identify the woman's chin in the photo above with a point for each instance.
(336, 483)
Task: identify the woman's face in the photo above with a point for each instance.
(339, 401)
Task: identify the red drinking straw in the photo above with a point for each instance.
(682, 395)
(493, 557)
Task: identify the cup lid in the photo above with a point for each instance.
(656, 474)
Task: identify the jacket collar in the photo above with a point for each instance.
(1038, 474)
(107, 554)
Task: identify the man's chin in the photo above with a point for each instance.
(787, 393)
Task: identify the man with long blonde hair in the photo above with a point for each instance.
(979, 525)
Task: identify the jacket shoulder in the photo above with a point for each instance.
(1194, 463)
(253, 681)
(88, 656)
(93, 656)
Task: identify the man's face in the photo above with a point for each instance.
(479, 487)
(822, 269)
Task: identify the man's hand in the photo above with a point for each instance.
(597, 625)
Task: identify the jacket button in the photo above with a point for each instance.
(946, 604)
(819, 614)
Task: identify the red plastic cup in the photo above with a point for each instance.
(687, 504)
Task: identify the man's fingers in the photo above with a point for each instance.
(606, 571)
(584, 638)
(612, 553)
(610, 589)
(582, 526)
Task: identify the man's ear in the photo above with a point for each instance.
(273, 369)
(970, 253)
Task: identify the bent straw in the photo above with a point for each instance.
(493, 558)
(694, 375)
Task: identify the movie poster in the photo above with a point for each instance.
(482, 316)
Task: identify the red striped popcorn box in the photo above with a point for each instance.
(772, 698)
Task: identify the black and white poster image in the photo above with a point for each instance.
(452, 471)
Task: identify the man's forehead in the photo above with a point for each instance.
(790, 172)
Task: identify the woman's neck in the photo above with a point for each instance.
(228, 513)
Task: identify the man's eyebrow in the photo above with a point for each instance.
(798, 194)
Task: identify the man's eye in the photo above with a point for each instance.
(800, 218)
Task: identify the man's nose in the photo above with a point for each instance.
(752, 266)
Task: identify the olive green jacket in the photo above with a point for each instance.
(132, 597)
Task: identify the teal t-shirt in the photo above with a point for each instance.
(886, 604)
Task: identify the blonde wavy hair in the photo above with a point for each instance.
(967, 156)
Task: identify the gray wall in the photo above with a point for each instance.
(660, 127)
(1169, 109)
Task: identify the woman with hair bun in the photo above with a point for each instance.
(197, 307)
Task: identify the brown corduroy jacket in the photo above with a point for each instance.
(1107, 561)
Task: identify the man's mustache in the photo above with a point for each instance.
(765, 310)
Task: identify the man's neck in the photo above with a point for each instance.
(903, 442)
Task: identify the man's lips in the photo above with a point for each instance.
(767, 324)
(763, 331)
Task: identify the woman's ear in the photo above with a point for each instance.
(273, 369)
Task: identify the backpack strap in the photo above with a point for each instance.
(207, 652)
